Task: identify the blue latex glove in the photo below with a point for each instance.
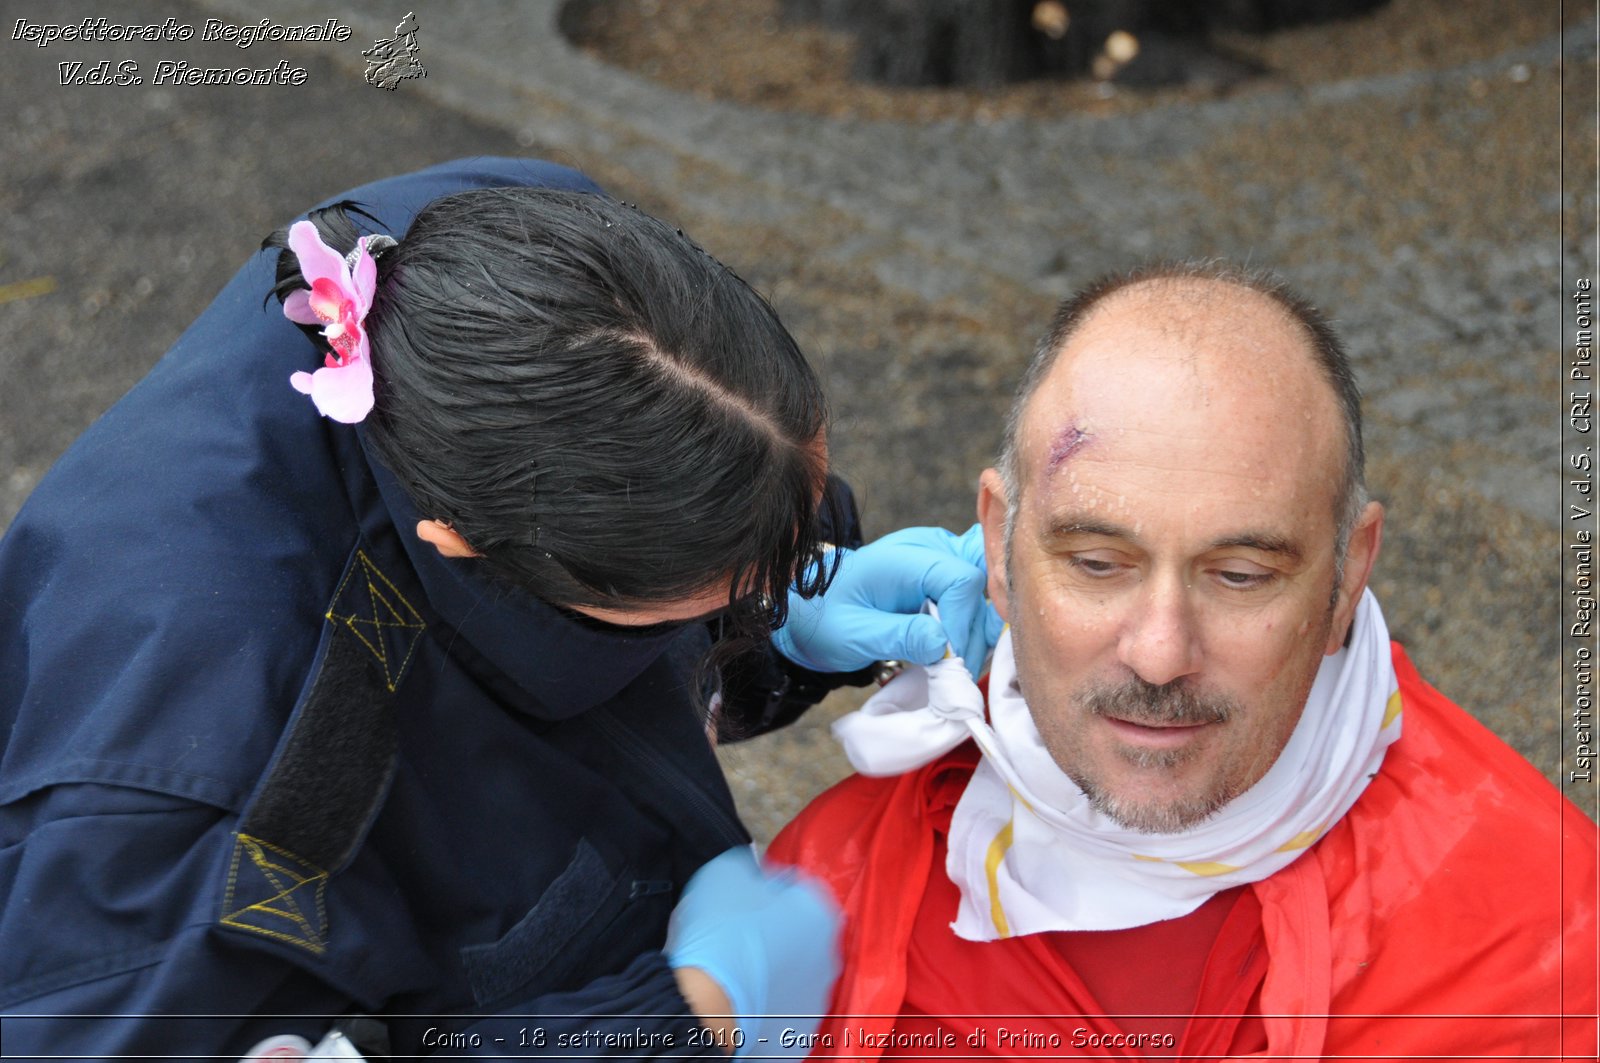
(770, 940)
(873, 609)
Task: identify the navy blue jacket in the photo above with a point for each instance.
(269, 761)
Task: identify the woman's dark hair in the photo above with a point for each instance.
(608, 415)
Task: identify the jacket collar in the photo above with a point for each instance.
(566, 667)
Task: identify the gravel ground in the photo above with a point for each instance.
(744, 52)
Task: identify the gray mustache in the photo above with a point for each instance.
(1137, 701)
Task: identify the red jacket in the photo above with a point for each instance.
(1451, 913)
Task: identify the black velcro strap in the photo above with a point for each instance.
(331, 770)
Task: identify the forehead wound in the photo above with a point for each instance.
(1068, 440)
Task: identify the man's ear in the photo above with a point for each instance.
(992, 515)
(444, 539)
(1360, 554)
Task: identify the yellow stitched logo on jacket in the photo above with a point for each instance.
(375, 611)
(273, 892)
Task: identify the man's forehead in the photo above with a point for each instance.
(1178, 352)
(1180, 391)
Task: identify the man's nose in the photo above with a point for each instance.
(1160, 640)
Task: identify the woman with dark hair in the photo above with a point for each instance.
(401, 712)
(578, 394)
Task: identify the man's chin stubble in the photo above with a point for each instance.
(1170, 818)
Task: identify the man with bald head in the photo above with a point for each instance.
(1208, 808)
(1164, 533)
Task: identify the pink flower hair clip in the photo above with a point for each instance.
(339, 297)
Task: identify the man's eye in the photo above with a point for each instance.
(1092, 566)
(1244, 580)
